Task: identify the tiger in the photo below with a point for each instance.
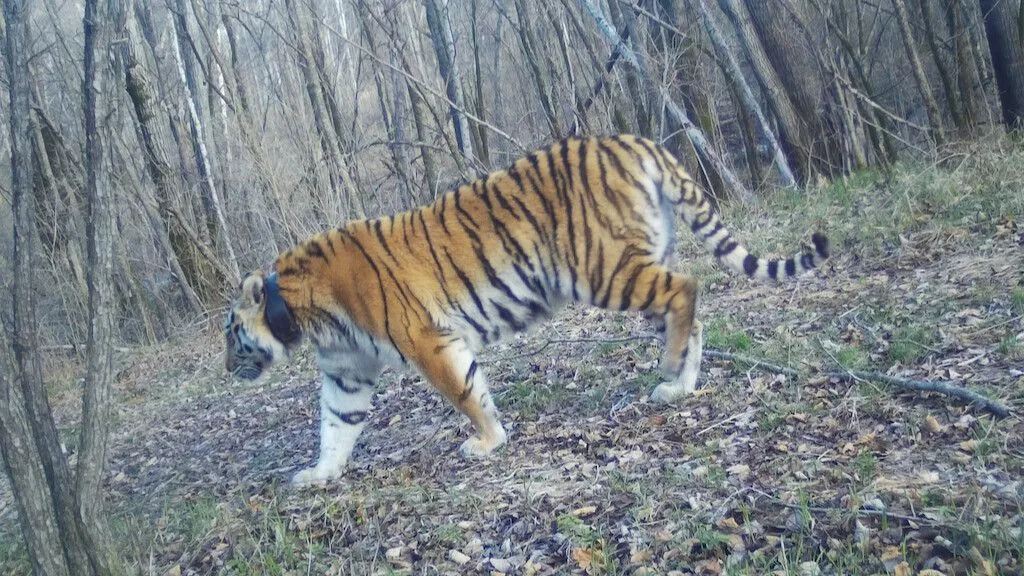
(586, 220)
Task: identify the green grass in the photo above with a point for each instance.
(719, 334)
(1011, 348)
(1017, 301)
(909, 344)
(852, 357)
(13, 557)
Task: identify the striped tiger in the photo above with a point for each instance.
(585, 220)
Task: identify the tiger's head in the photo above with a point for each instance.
(259, 328)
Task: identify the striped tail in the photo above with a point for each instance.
(705, 224)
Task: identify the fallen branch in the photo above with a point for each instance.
(994, 406)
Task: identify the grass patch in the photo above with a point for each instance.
(1011, 348)
(531, 398)
(909, 344)
(852, 357)
(719, 334)
(1017, 301)
(13, 557)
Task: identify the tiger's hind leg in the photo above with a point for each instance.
(346, 396)
(656, 291)
(451, 367)
(686, 382)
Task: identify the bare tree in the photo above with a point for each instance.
(212, 205)
(439, 21)
(61, 518)
(930, 105)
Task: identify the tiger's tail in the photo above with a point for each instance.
(680, 189)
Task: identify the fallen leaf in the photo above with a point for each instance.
(728, 525)
(969, 445)
(741, 471)
(932, 425)
(584, 511)
(457, 557)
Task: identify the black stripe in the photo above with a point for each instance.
(750, 264)
(383, 296)
(565, 191)
(597, 278)
(467, 283)
(343, 386)
(807, 261)
(718, 226)
(697, 223)
(350, 418)
(651, 293)
(773, 269)
(314, 249)
(605, 187)
(508, 317)
(790, 267)
(494, 278)
(627, 289)
(380, 238)
(440, 212)
(725, 247)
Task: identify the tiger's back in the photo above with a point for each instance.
(587, 220)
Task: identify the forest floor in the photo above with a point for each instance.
(758, 473)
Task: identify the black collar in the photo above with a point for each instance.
(279, 317)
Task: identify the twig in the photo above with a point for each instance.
(859, 512)
(718, 355)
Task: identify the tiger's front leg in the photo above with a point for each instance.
(345, 401)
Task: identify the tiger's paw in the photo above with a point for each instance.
(314, 475)
(668, 392)
(477, 447)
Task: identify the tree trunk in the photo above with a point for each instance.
(63, 533)
(1007, 52)
(819, 133)
(192, 270)
(968, 81)
(930, 105)
(693, 132)
(212, 205)
(99, 375)
(480, 143)
(234, 82)
(735, 75)
(447, 63)
(772, 89)
(635, 82)
(538, 69)
(949, 88)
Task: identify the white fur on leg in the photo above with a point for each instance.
(343, 416)
(686, 383)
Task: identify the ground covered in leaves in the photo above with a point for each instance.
(758, 473)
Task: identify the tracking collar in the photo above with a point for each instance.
(279, 317)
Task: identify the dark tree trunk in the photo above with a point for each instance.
(1007, 52)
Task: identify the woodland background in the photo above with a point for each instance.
(216, 133)
(231, 129)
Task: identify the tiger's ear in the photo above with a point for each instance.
(252, 290)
